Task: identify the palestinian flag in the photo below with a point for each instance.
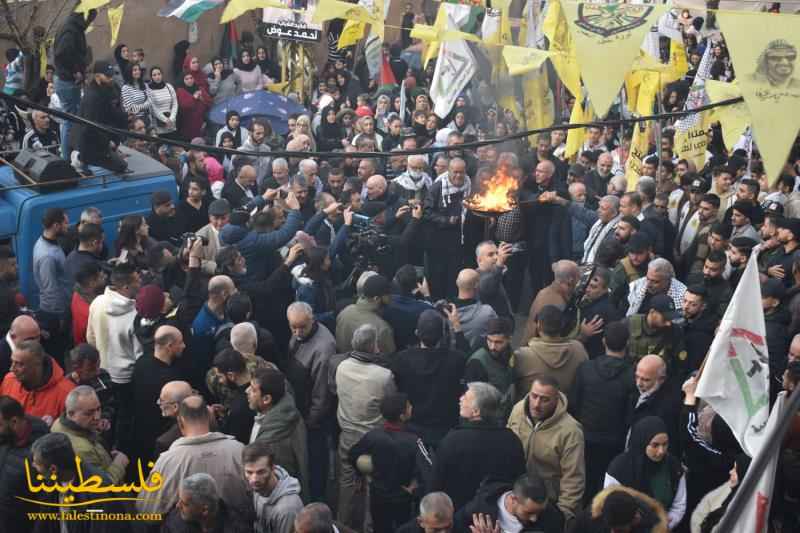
(188, 10)
(229, 48)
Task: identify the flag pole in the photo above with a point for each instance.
(771, 446)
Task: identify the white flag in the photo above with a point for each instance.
(455, 66)
(756, 511)
(735, 378)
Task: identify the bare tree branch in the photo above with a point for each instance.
(12, 25)
(31, 20)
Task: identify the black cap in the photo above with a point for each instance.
(773, 288)
(792, 224)
(577, 170)
(219, 208)
(430, 327)
(101, 66)
(699, 185)
(376, 286)
(639, 242)
(663, 304)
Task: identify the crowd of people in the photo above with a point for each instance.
(336, 342)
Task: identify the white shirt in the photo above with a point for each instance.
(507, 522)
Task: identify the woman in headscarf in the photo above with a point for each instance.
(163, 103)
(233, 126)
(461, 123)
(223, 83)
(712, 507)
(268, 68)
(121, 56)
(193, 104)
(648, 467)
(382, 110)
(249, 72)
(329, 132)
(191, 65)
(226, 140)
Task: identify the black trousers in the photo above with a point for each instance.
(441, 270)
(597, 457)
(388, 514)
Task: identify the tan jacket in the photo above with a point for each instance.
(554, 449)
(553, 356)
(208, 262)
(547, 296)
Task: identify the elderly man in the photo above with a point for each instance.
(280, 174)
(481, 412)
(553, 443)
(43, 135)
(436, 512)
(310, 349)
(200, 505)
(375, 189)
(776, 66)
(547, 224)
(219, 214)
(491, 261)
(375, 295)
(597, 180)
(81, 422)
(601, 223)
(362, 380)
(310, 171)
(242, 190)
(36, 381)
(199, 450)
(558, 293)
(23, 328)
(657, 396)
(444, 213)
(660, 279)
(172, 394)
(413, 184)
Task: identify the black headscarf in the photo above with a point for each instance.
(121, 61)
(248, 67)
(237, 135)
(713, 518)
(633, 468)
(153, 85)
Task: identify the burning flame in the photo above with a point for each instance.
(497, 194)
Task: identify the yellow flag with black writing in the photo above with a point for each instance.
(639, 146)
(764, 49)
(87, 5)
(564, 60)
(115, 21)
(576, 136)
(539, 104)
(352, 32)
(613, 32)
(332, 9)
(734, 118)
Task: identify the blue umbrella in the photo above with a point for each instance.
(272, 106)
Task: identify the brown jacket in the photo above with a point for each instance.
(547, 296)
(554, 449)
(556, 357)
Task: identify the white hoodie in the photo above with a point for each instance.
(110, 330)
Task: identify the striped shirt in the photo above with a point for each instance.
(134, 100)
(163, 105)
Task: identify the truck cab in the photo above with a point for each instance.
(117, 196)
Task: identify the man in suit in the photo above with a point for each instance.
(242, 190)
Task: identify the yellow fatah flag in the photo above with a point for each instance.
(577, 136)
(521, 59)
(332, 9)
(352, 32)
(237, 8)
(561, 47)
(613, 32)
(539, 104)
(639, 145)
(763, 49)
(691, 143)
(677, 61)
(735, 118)
(87, 5)
(430, 34)
(115, 21)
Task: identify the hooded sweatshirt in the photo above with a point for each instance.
(111, 331)
(474, 318)
(47, 400)
(557, 357)
(277, 511)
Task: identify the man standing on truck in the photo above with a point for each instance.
(50, 276)
(101, 105)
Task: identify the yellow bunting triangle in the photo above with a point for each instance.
(237, 8)
(332, 9)
(562, 47)
(639, 145)
(115, 21)
(538, 100)
(764, 49)
(521, 59)
(87, 5)
(613, 32)
(581, 112)
(734, 118)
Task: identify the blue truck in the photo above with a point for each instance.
(117, 196)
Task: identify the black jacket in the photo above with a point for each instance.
(235, 195)
(13, 480)
(777, 329)
(605, 309)
(228, 522)
(485, 502)
(472, 453)
(70, 51)
(432, 379)
(100, 104)
(394, 453)
(441, 233)
(239, 419)
(653, 518)
(548, 227)
(600, 398)
(698, 334)
(165, 228)
(665, 403)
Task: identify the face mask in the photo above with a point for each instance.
(415, 174)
